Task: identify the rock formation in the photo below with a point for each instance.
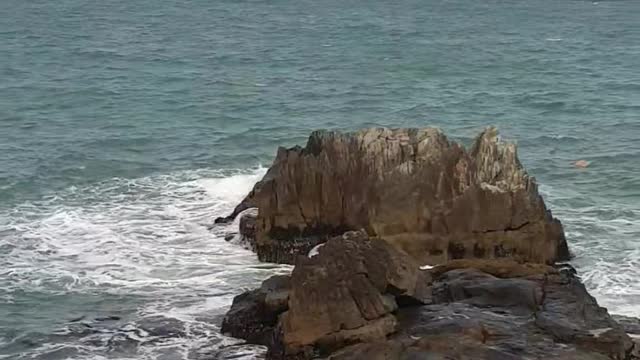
(413, 188)
(363, 299)
(384, 202)
(254, 314)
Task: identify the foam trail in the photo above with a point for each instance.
(605, 240)
(140, 248)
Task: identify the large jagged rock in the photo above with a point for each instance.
(413, 188)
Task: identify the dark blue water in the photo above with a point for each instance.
(126, 126)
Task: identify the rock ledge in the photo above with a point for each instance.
(360, 298)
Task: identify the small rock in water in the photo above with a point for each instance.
(77, 319)
(161, 326)
(108, 318)
(581, 164)
(229, 237)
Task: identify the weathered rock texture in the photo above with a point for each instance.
(363, 299)
(344, 295)
(413, 188)
(347, 293)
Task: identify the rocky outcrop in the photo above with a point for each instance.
(375, 205)
(254, 314)
(347, 293)
(413, 188)
(363, 299)
(344, 295)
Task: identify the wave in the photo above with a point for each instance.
(604, 240)
(138, 248)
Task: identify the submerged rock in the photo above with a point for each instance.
(413, 188)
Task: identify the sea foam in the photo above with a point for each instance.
(144, 241)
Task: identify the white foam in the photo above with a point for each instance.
(605, 240)
(144, 237)
(315, 251)
(231, 189)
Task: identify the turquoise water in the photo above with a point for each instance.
(127, 126)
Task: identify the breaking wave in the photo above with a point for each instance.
(130, 268)
(604, 242)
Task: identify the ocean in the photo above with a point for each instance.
(126, 127)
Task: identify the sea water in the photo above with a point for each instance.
(126, 127)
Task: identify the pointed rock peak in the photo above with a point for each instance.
(414, 188)
(497, 161)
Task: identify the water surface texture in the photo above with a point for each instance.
(127, 126)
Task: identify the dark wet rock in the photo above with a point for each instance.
(497, 330)
(413, 188)
(570, 314)
(79, 318)
(248, 228)
(465, 332)
(230, 236)
(276, 289)
(344, 304)
(254, 314)
(160, 326)
(230, 352)
(630, 324)
(244, 205)
(122, 343)
(287, 252)
(480, 289)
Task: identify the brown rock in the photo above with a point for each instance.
(347, 292)
(411, 187)
(481, 289)
(502, 268)
(571, 315)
